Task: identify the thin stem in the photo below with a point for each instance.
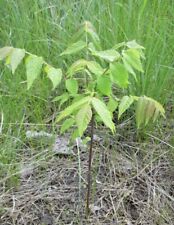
(79, 169)
(87, 57)
(89, 165)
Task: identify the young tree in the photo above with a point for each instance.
(89, 84)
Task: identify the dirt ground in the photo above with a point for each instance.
(133, 184)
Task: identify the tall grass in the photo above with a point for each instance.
(45, 28)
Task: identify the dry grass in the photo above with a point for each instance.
(132, 185)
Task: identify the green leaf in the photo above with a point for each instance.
(125, 103)
(91, 47)
(104, 84)
(132, 57)
(119, 45)
(66, 125)
(91, 86)
(140, 111)
(129, 68)
(74, 48)
(55, 75)
(154, 108)
(98, 118)
(147, 109)
(72, 86)
(4, 52)
(156, 114)
(104, 113)
(62, 98)
(108, 55)
(95, 68)
(119, 74)
(58, 98)
(33, 68)
(77, 97)
(76, 67)
(112, 104)
(72, 108)
(157, 105)
(135, 98)
(83, 118)
(81, 64)
(16, 57)
(86, 140)
(75, 134)
(134, 44)
(7, 60)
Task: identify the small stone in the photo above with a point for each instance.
(26, 171)
(35, 134)
(97, 138)
(94, 208)
(61, 146)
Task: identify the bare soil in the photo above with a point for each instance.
(133, 184)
